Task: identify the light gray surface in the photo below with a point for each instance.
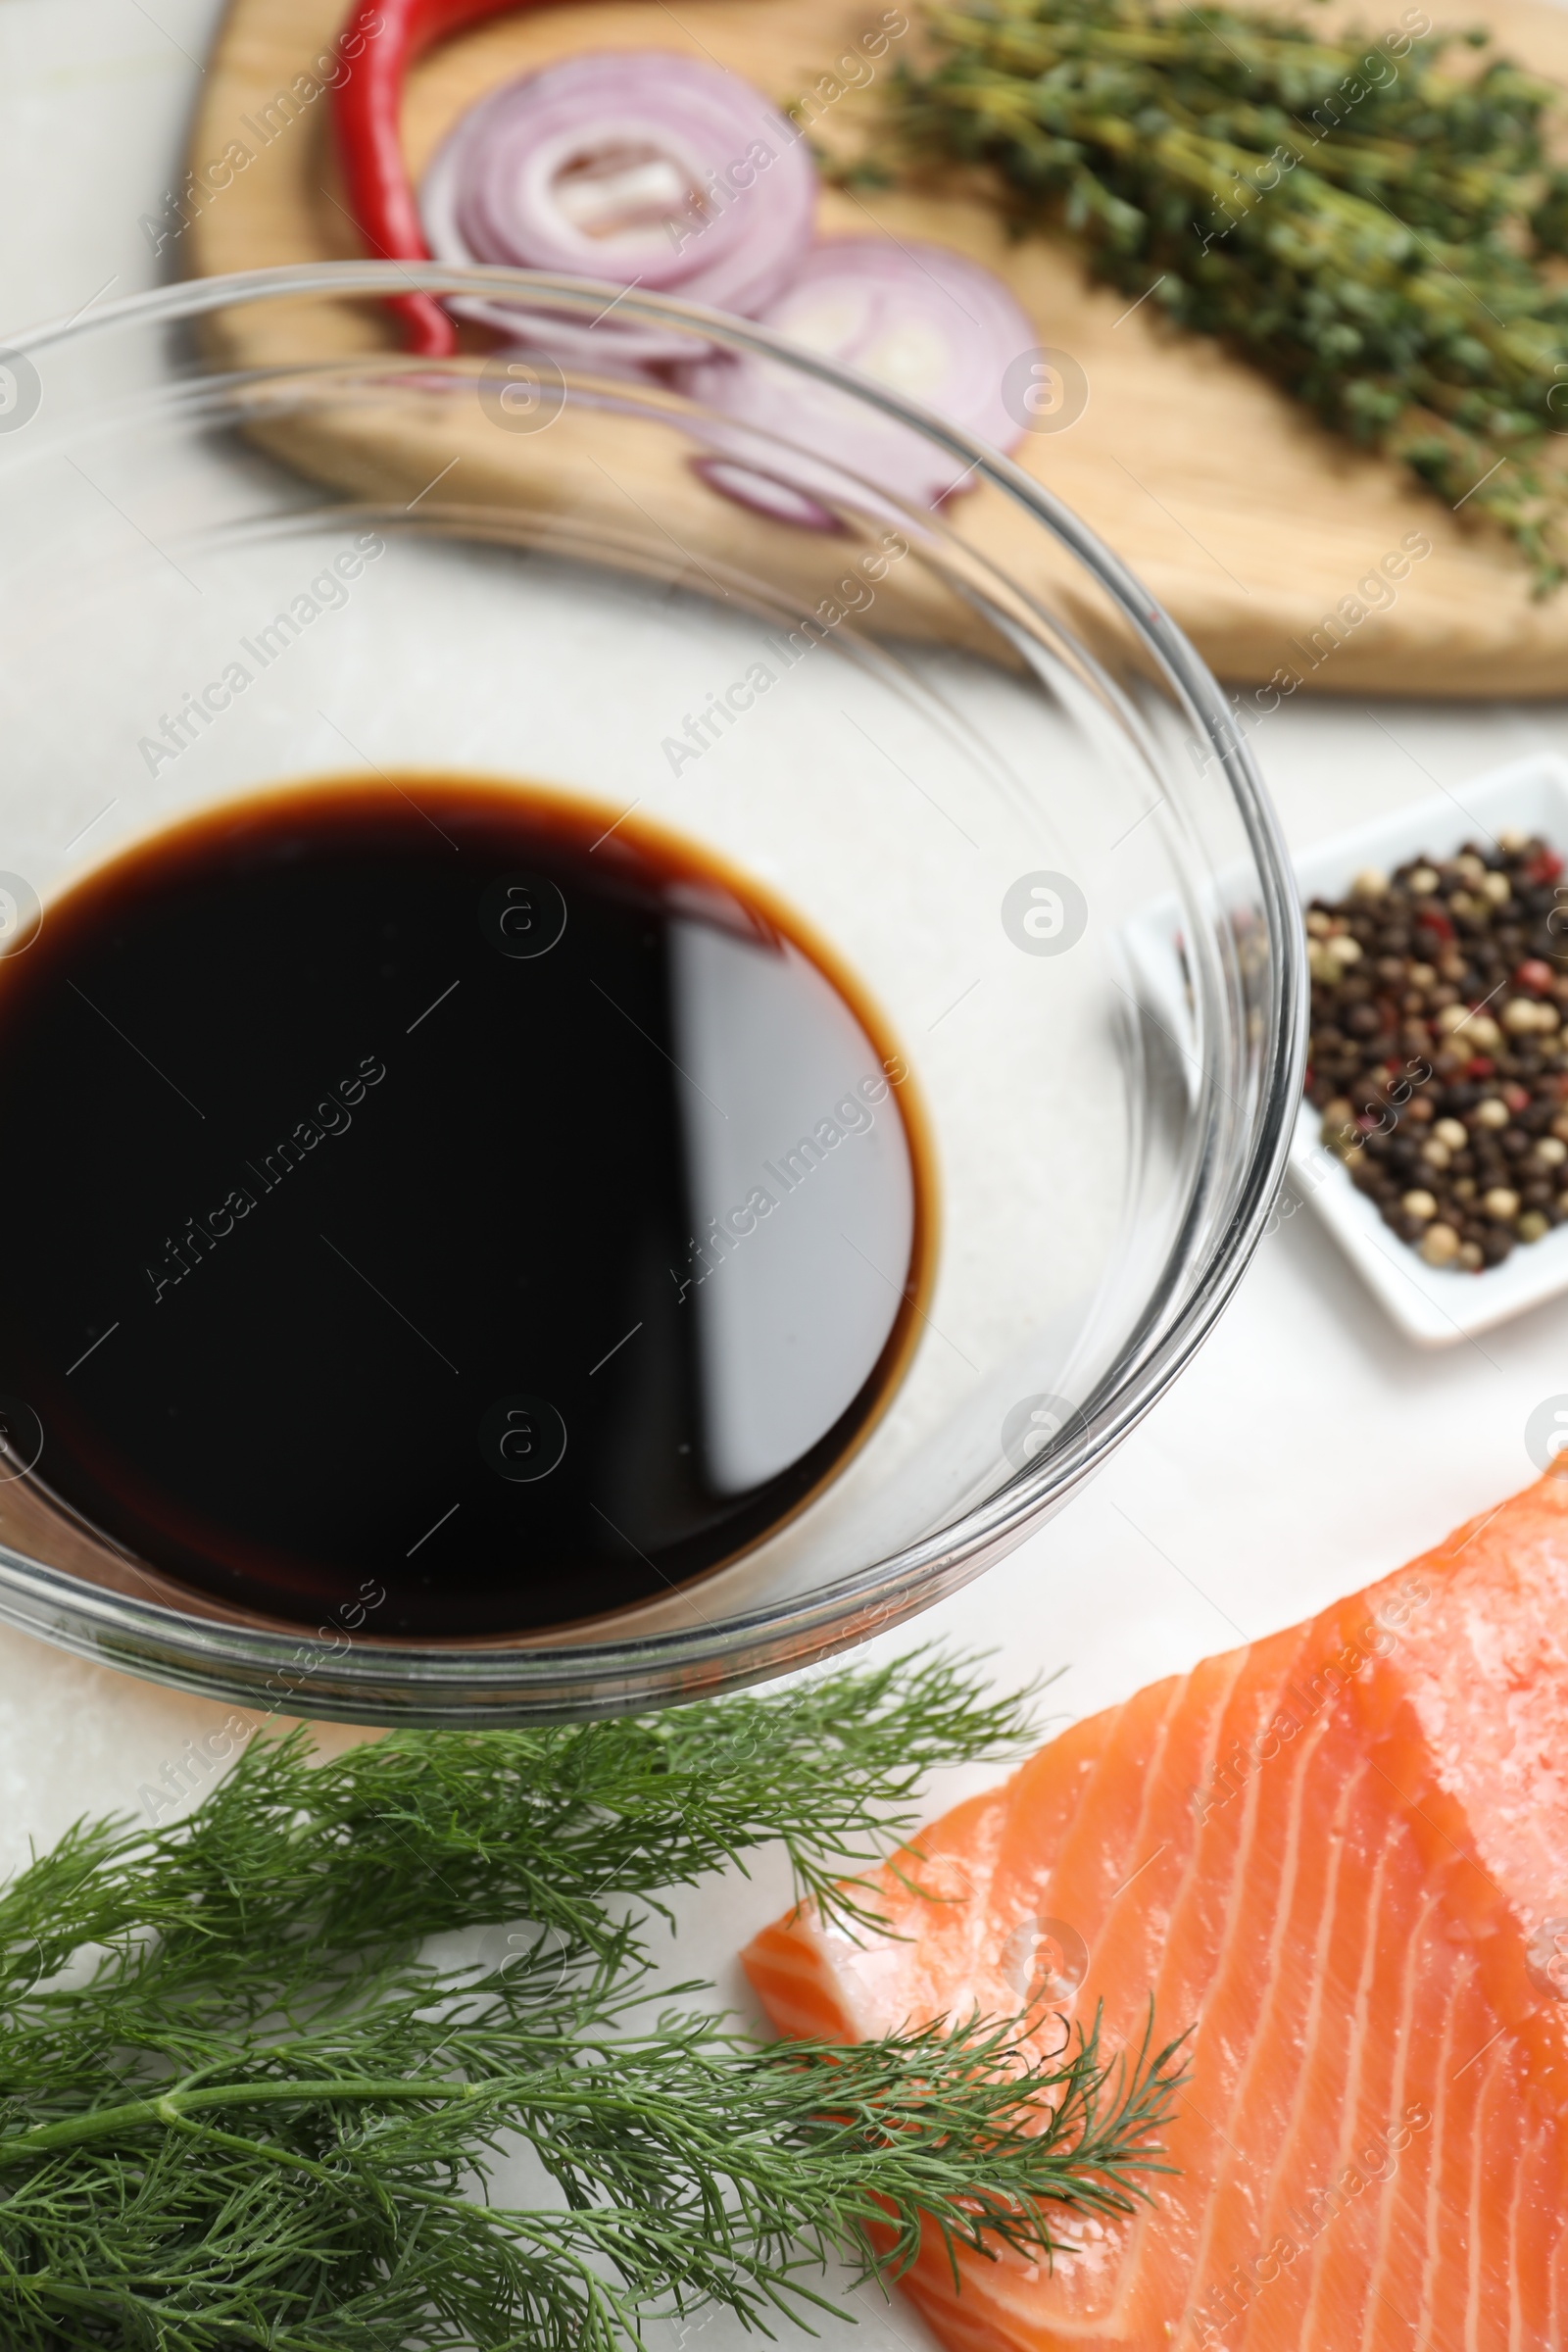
(1308, 1450)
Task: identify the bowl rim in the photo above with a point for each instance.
(447, 1682)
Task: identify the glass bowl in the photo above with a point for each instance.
(962, 746)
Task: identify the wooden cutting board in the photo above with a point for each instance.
(1249, 523)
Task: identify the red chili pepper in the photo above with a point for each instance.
(368, 110)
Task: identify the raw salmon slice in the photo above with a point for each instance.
(1341, 1857)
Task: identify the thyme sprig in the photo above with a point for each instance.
(241, 2106)
(1374, 230)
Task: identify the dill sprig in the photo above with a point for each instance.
(1377, 232)
(240, 2107)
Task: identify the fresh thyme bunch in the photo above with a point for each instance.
(238, 2109)
(1368, 227)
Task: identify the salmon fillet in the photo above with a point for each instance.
(1339, 1856)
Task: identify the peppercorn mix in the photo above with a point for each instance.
(1438, 1057)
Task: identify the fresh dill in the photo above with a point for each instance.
(239, 2108)
(1375, 229)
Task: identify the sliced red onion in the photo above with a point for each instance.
(634, 165)
(772, 493)
(925, 322)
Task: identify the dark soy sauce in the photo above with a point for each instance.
(423, 1190)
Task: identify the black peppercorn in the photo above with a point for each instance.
(1442, 1009)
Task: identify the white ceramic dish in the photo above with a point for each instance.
(1432, 1306)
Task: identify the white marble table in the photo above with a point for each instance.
(1307, 1450)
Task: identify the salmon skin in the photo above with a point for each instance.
(1339, 1856)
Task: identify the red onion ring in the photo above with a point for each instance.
(634, 165)
(916, 319)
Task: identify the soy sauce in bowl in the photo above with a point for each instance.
(436, 1184)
